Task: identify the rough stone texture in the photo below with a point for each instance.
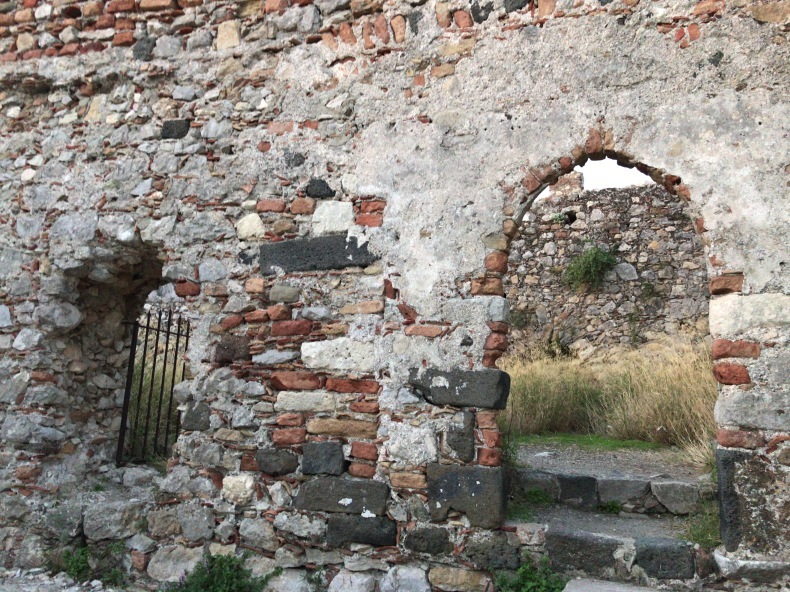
(348, 528)
(590, 553)
(578, 491)
(492, 552)
(665, 558)
(169, 564)
(277, 462)
(658, 286)
(113, 520)
(462, 388)
(323, 458)
(398, 109)
(334, 494)
(678, 497)
(479, 492)
(431, 540)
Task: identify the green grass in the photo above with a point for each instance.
(611, 507)
(588, 441)
(521, 507)
(76, 564)
(529, 578)
(589, 268)
(703, 528)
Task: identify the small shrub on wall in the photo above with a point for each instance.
(589, 268)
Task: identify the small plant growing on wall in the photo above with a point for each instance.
(589, 268)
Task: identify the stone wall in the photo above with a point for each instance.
(331, 188)
(658, 286)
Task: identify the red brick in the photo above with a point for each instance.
(284, 328)
(498, 327)
(123, 39)
(279, 312)
(430, 331)
(490, 358)
(303, 205)
(92, 9)
(731, 374)
(740, 439)
(496, 261)
(389, 290)
(370, 220)
(290, 419)
(256, 316)
(69, 49)
(41, 376)
(367, 35)
(289, 436)
(364, 407)
(123, 24)
(248, 463)
(275, 6)
(462, 19)
(498, 341)
(270, 205)
(157, 4)
(407, 311)
(382, 28)
(278, 128)
(121, 6)
(347, 34)
(486, 420)
(593, 146)
(492, 438)
(724, 348)
(726, 284)
(189, 3)
(372, 206)
(361, 470)
(10, 56)
(489, 457)
(364, 450)
(186, 288)
(297, 381)
(487, 286)
(231, 322)
(348, 385)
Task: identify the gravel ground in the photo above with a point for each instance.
(38, 580)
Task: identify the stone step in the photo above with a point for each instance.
(633, 548)
(584, 585)
(591, 490)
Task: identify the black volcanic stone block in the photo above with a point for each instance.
(323, 458)
(277, 462)
(173, 129)
(487, 388)
(479, 492)
(335, 494)
(348, 528)
(315, 254)
(665, 558)
(232, 348)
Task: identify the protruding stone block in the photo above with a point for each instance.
(463, 388)
(334, 494)
(579, 550)
(323, 457)
(315, 254)
(347, 528)
(477, 491)
(665, 558)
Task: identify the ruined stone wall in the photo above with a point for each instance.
(332, 189)
(657, 287)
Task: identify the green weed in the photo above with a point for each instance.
(589, 268)
(703, 528)
(221, 573)
(611, 507)
(529, 578)
(76, 563)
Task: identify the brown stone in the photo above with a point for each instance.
(487, 286)
(443, 70)
(777, 13)
(489, 457)
(367, 307)
(594, 143)
(346, 428)
(726, 284)
(362, 7)
(290, 419)
(731, 374)
(270, 205)
(408, 480)
(381, 28)
(497, 262)
(546, 7)
(724, 348)
(498, 341)
(443, 16)
(347, 385)
(303, 205)
(347, 34)
(364, 407)
(361, 470)
(430, 331)
(279, 312)
(186, 288)
(463, 19)
(157, 4)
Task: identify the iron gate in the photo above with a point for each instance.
(149, 420)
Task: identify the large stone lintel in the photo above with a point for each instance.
(315, 254)
(335, 494)
(487, 388)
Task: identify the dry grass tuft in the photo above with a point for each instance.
(663, 393)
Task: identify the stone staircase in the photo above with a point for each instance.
(619, 516)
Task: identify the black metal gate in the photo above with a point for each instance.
(149, 420)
